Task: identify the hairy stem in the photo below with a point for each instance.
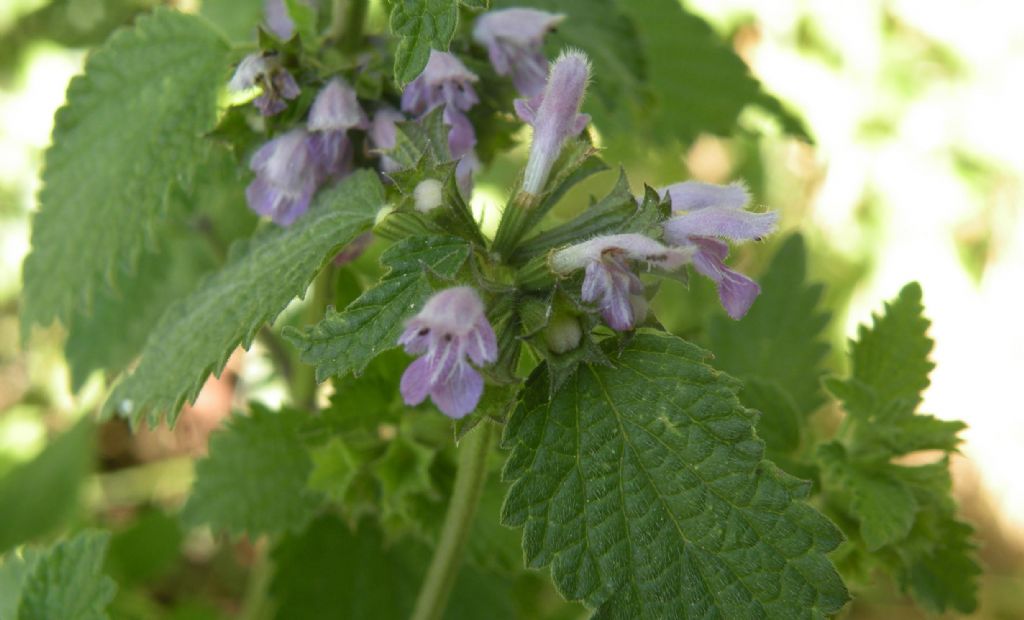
(469, 483)
(303, 381)
(347, 18)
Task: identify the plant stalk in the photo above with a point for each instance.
(347, 18)
(469, 483)
(303, 381)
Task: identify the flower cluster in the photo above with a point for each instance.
(514, 39)
(291, 167)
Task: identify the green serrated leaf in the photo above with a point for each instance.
(780, 339)
(196, 335)
(115, 329)
(892, 355)
(422, 25)
(254, 480)
(346, 341)
(699, 84)
(132, 128)
(62, 581)
(899, 517)
(643, 486)
(357, 574)
(40, 495)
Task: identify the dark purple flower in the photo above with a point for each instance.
(335, 110)
(514, 39)
(447, 82)
(265, 70)
(704, 213)
(555, 116)
(286, 178)
(451, 327)
(383, 133)
(608, 280)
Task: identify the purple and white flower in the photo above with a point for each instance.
(383, 133)
(514, 39)
(286, 177)
(447, 82)
(450, 331)
(335, 110)
(609, 280)
(555, 116)
(265, 70)
(706, 213)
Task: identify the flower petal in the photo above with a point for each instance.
(415, 383)
(460, 394)
(693, 195)
(482, 344)
(736, 291)
(734, 224)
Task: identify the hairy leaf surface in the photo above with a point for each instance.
(196, 336)
(422, 25)
(132, 127)
(643, 486)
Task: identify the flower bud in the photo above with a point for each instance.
(563, 333)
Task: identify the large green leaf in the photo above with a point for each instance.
(644, 487)
(899, 517)
(62, 581)
(42, 494)
(697, 82)
(132, 127)
(197, 334)
(422, 25)
(347, 341)
(254, 480)
(115, 328)
(780, 340)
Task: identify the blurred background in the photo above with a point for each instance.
(916, 173)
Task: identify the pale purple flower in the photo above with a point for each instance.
(447, 82)
(514, 39)
(451, 327)
(383, 133)
(609, 280)
(335, 110)
(265, 70)
(555, 116)
(704, 213)
(286, 177)
(277, 19)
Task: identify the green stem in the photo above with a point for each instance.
(469, 483)
(303, 383)
(347, 19)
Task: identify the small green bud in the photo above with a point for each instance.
(563, 333)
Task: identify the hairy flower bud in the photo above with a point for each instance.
(451, 327)
(334, 111)
(383, 133)
(286, 178)
(563, 333)
(514, 39)
(555, 116)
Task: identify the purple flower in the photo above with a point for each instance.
(514, 39)
(447, 82)
(286, 177)
(555, 116)
(705, 213)
(278, 21)
(383, 133)
(609, 280)
(451, 327)
(335, 110)
(265, 70)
